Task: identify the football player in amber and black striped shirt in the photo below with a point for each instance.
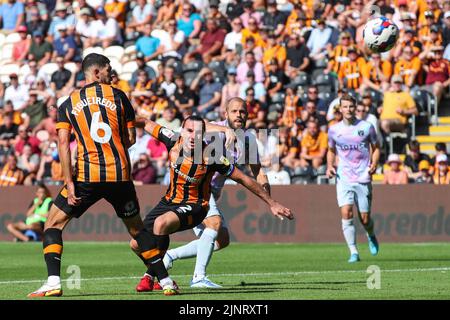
(102, 120)
(185, 203)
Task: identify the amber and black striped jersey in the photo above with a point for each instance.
(100, 116)
(10, 177)
(189, 182)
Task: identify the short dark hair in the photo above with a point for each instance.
(94, 59)
(414, 145)
(347, 97)
(441, 146)
(195, 118)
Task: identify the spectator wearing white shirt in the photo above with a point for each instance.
(142, 14)
(105, 30)
(17, 93)
(170, 39)
(278, 176)
(318, 40)
(84, 27)
(140, 146)
(234, 37)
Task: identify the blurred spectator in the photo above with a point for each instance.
(274, 52)
(423, 175)
(40, 49)
(35, 109)
(338, 54)
(233, 39)
(168, 83)
(64, 46)
(25, 138)
(310, 111)
(440, 148)
(166, 12)
(158, 153)
(408, 66)
(351, 73)
(8, 133)
(171, 40)
(376, 74)
(250, 63)
(183, 97)
(337, 116)
(44, 93)
(141, 66)
(120, 84)
(83, 27)
(154, 104)
(267, 146)
(36, 217)
(313, 95)
(12, 15)
(211, 41)
(256, 113)
(143, 171)
(230, 89)
(148, 45)
(61, 18)
(336, 101)
(117, 10)
(140, 146)
(48, 124)
(446, 30)
(105, 31)
(17, 93)
(250, 46)
(10, 174)
(249, 14)
(314, 146)
(189, 22)
(60, 79)
(258, 87)
(343, 29)
(50, 170)
(362, 113)
(29, 164)
(252, 30)
(442, 174)
(438, 70)
(278, 176)
(414, 158)
(398, 105)
(17, 117)
(395, 174)
(275, 78)
(318, 39)
(274, 18)
(209, 91)
(234, 9)
(142, 15)
(30, 78)
(297, 57)
(168, 119)
(21, 47)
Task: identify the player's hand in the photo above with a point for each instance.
(372, 168)
(281, 212)
(331, 172)
(72, 199)
(230, 137)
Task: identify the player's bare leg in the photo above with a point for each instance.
(349, 231)
(367, 223)
(53, 248)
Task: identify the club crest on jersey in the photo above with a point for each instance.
(361, 133)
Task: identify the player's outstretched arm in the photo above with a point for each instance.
(230, 136)
(277, 209)
(66, 164)
(331, 160)
(260, 176)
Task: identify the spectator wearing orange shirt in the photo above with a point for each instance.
(408, 66)
(11, 175)
(395, 174)
(117, 10)
(442, 174)
(350, 75)
(338, 55)
(273, 51)
(376, 74)
(314, 146)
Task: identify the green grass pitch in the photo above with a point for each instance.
(247, 271)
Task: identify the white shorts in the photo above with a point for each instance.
(213, 211)
(359, 194)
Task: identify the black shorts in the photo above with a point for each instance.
(121, 195)
(190, 215)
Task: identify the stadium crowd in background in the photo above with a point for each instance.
(289, 60)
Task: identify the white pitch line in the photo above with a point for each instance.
(263, 274)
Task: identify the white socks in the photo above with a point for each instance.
(166, 282)
(205, 247)
(348, 228)
(189, 250)
(54, 281)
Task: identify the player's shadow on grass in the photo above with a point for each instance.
(262, 284)
(424, 259)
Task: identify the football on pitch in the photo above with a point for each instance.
(380, 34)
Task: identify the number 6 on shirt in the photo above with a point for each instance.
(96, 125)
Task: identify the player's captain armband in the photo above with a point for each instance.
(228, 168)
(167, 132)
(63, 125)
